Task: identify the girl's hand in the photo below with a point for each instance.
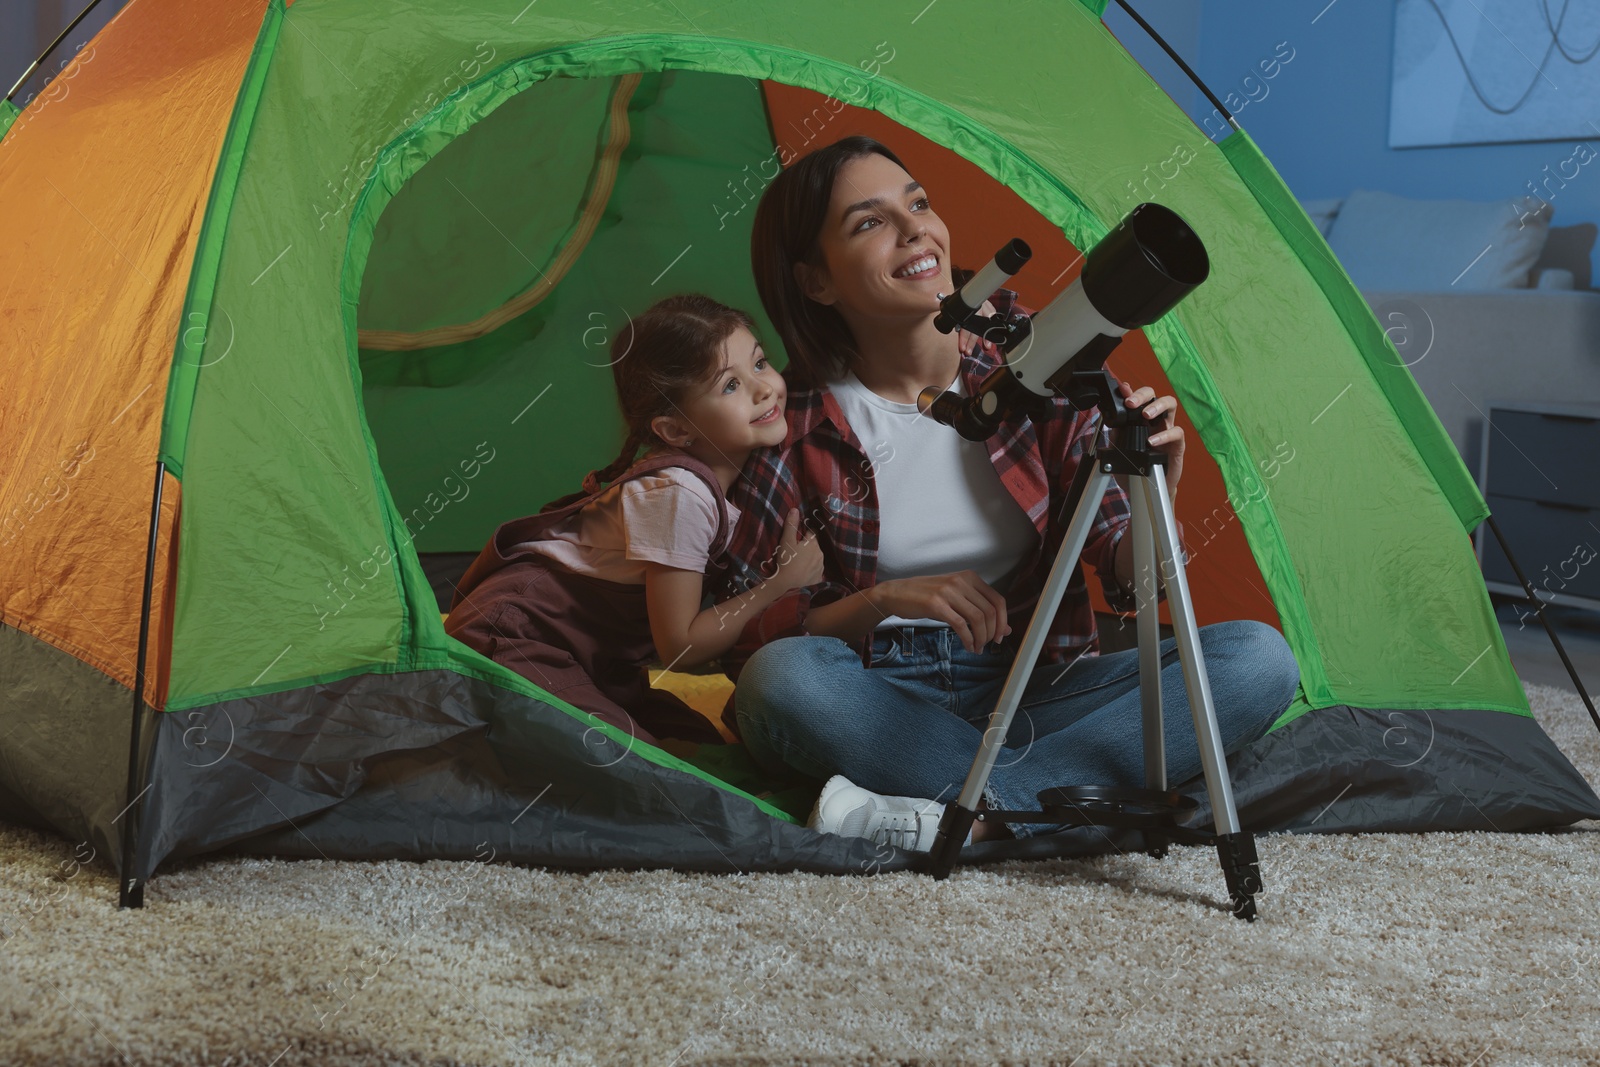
(1161, 413)
(799, 557)
(969, 604)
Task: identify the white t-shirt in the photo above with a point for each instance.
(667, 516)
(941, 504)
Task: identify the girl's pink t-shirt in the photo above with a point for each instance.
(667, 516)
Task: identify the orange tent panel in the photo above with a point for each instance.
(105, 179)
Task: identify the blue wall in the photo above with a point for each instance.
(17, 37)
(1325, 119)
(1178, 23)
(1322, 118)
(27, 27)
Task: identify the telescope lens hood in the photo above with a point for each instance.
(1141, 269)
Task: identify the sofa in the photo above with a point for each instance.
(1486, 303)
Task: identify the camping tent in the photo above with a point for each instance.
(301, 296)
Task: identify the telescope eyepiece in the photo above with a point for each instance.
(1013, 257)
(961, 305)
(975, 418)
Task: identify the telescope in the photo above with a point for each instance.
(1132, 277)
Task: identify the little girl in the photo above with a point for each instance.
(581, 597)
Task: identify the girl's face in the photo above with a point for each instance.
(738, 408)
(885, 254)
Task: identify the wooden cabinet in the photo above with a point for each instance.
(1540, 473)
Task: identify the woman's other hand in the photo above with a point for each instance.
(969, 604)
(799, 556)
(1161, 413)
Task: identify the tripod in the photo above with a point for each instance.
(1153, 809)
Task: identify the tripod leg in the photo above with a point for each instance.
(1087, 490)
(1212, 758)
(1235, 849)
(1141, 529)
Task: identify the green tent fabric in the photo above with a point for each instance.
(425, 223)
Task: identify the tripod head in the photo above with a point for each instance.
(1133, 276)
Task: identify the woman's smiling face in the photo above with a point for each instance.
(884, 251)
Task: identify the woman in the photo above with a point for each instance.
(935, 548)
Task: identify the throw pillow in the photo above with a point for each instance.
(1391, 242)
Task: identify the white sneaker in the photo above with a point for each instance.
(846, 809)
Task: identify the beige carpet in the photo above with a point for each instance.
(1394, 949)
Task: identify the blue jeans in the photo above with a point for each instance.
(910, 723)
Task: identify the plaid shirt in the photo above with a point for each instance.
(822, 469)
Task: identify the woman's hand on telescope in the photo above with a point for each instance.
(972, 607)
(1161, 413)
(968, 340)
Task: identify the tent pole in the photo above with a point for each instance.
(131, 890)
(53, 45)
(1538, 605)
(1167, 48)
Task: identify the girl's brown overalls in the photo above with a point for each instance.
(584, 639)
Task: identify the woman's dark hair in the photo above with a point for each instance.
(788, 221)
(675, 345)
